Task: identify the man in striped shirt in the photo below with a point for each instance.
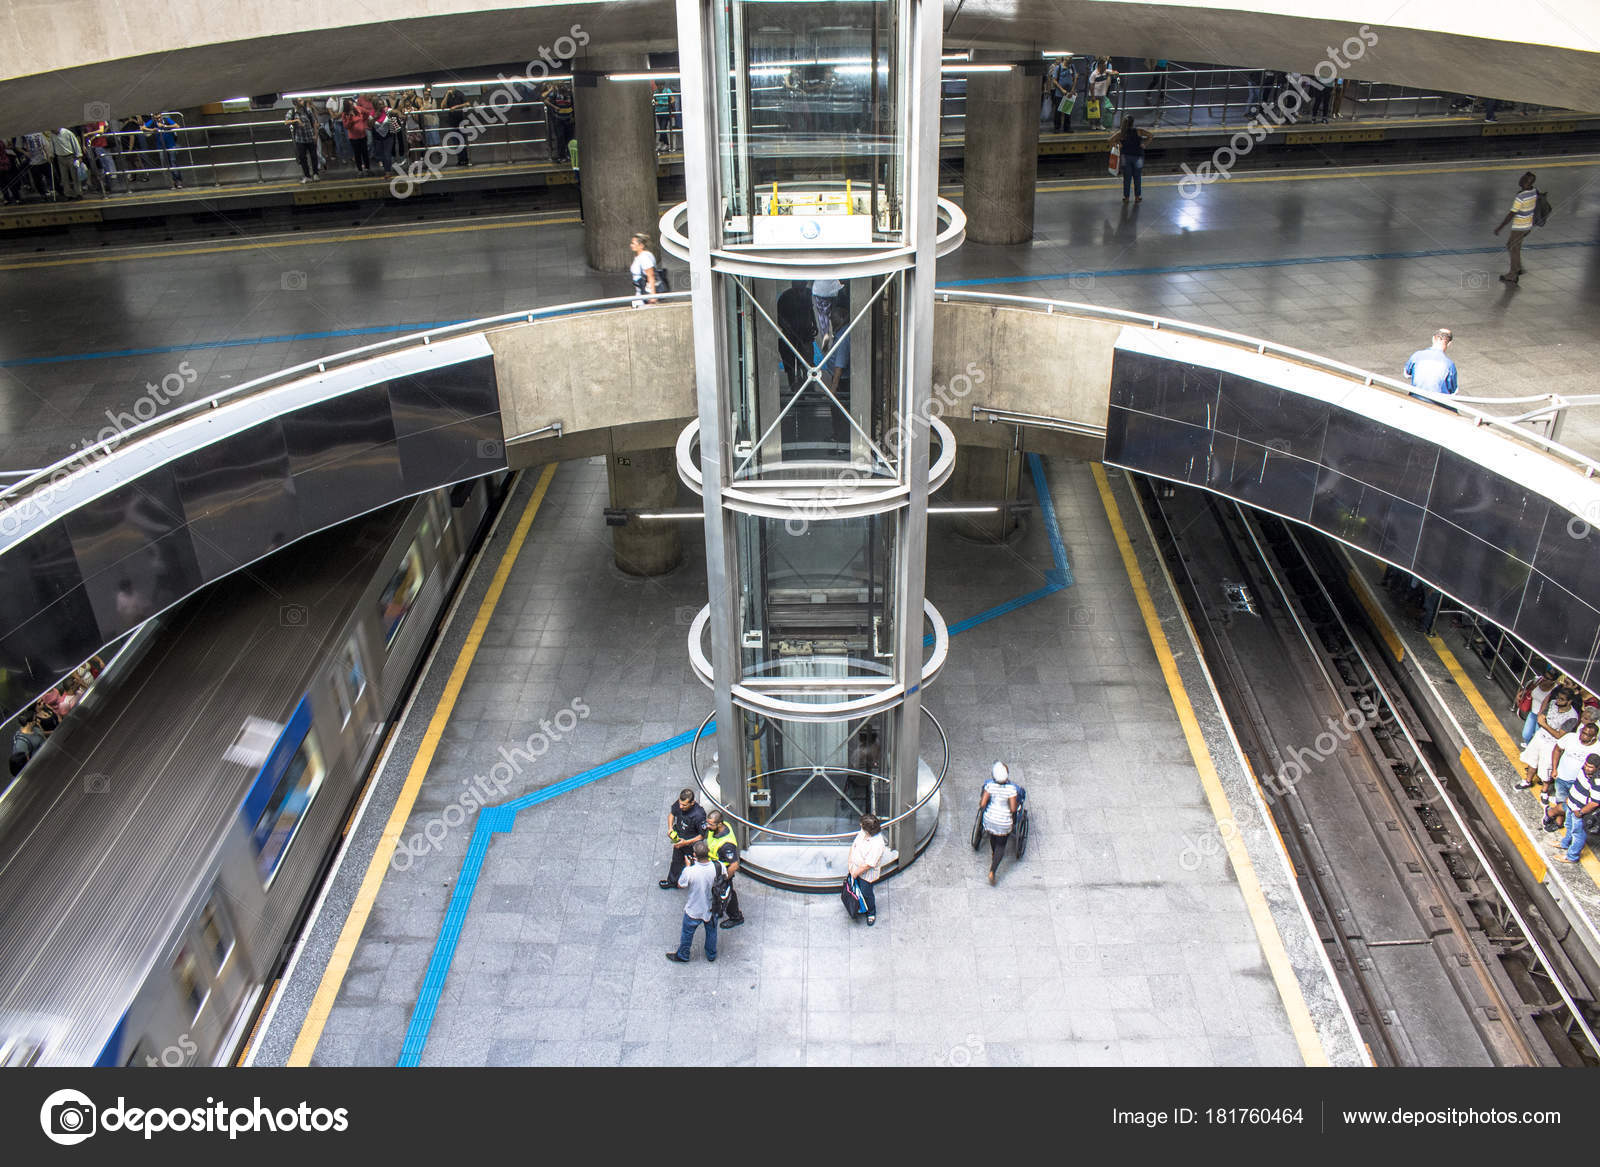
(1520, 216)
(1581, 800)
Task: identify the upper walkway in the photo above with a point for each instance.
(92, 51)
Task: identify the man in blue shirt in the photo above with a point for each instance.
(1430, 369)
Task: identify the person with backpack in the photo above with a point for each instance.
(648, 279)
(25, 743)
(1061, 82)
(1100, 110)
(385, 134)
(724, 851)
(686, 826)
(998, 803)
(698, 877)
(302, 123)
(1521, 218)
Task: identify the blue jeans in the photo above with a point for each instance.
(865, 887)
(1530, 726)
(686, 939)
(1563, 788)
(1575, 837)
(1133, 175)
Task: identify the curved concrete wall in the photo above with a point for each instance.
(142, 54)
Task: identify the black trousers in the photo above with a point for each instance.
(733, 912)
(997, 850)
(306, 154)
(680, 860)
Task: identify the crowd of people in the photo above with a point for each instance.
(49, 712)
(60, 165)
(1561, 757)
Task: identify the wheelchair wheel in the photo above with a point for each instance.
(1019, 832)
(977, 831)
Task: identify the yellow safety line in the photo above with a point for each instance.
(333, 977)
(1358, 584)
(1498, 798)
(1314, 176)
(302, 241)
(1272, 947)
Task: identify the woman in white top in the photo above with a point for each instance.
(1538, 693)
(642, 269)
(1558, 717)
(999, 807)
(869, 851)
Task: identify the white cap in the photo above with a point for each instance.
(1000, 772)
(825, 289)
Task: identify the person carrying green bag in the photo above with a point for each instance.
(1100, 109)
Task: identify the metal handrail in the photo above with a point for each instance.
(145, 429)
(1457, 405)
(938, 782)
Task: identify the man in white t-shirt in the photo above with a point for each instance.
(1566, 760)
(999, 806)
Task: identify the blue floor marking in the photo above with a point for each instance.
(496, 820)
(986, 281)
(1243, 264)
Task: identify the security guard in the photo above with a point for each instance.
(686, 826)
(725, 850)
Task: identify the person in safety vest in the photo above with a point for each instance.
(724, 849)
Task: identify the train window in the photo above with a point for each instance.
(354, 673)
(400, 593)
(281, 816)
(186, 973)
(216, 934)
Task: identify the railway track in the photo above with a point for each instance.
(1440, 953)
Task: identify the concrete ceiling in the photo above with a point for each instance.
(144, 54)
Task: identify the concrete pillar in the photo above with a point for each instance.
(616, 159)
(1001, 165)
(989, 475)
(645, 480)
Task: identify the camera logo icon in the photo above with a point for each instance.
(294, 281)
(491, 450)
(68, 1117)
(1475, 279)
(96, 784)
(292, 616)
(96, 111)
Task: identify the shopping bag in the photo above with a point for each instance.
(1114, 164)
(1068, 103)
(855, 903)
(1093, 111)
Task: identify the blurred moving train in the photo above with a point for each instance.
(158, 855)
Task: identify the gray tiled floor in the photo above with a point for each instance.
(1098, 948)
(1537, 338)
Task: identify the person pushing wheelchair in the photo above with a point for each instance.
(997, 811)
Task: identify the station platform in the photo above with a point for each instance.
(1360, 264)
(1487, 735)
(1126, 936)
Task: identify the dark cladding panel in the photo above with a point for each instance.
(447, 423)
(1164, 387)
(1569, 554)
(35, 574)
(54, 642)
(343, 457)
(1154, 445)
(1262, 477)
(1482, 576)
(237, 495)
(1562, 627)
(1265, 415)
(1367, 517)
(1393, 461)
(1493, 508)
(134, 548)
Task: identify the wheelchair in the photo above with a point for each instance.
(1019, 826)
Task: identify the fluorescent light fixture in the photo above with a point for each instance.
(963, 55)
(642, 76)
(976, 68)
(394, 85)
(1058, 53)
(963, 510)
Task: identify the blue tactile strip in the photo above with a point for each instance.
(499, 819)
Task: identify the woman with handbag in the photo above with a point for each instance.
(1129, 143)
(869, 851)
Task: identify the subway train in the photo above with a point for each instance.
(159, 853)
